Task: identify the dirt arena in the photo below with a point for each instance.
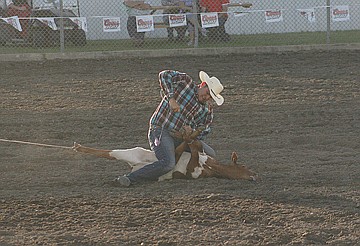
(292, 117)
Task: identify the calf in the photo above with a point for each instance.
(203, 166)
(195, 164)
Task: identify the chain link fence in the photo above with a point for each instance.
(113, 25)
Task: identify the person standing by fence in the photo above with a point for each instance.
(181, 30)
(221, 7)
(133, 9)
(22, 9)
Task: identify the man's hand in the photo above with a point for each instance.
(175, 107)
(246, 5)
(187, 130)
(137, 5)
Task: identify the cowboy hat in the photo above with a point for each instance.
(215, 87)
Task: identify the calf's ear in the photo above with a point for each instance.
(234, 157)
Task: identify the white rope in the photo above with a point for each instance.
(36, 144)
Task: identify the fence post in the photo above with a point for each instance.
(62, 39)
(196, 26)
(328, 21)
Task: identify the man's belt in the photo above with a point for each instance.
(173, 133)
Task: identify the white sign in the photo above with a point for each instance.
(14, 21)
(209, 20)
(309, 14)
(273, 16)
(340, 13)
(111, 24)
(145, 23)
(50, 22)
(80, 21)
(177, 20)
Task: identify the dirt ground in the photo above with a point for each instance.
(293, 117)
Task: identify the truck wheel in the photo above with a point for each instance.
(79, 38)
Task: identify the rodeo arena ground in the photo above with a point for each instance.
(293, 117)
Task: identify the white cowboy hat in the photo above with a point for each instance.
(215, 87)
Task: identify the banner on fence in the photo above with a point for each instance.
(177, 20)
(273, 15)
(209, 20)
(309, 14)
(50, 22)
(340, 13)
(14, 21)
(145, 23)
(80, 21)
(111, 24)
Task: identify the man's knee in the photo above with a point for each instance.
(170, 163)
(167, 165)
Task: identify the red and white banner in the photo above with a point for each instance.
(177, 20)
(50, 22)
(340, 13)
(273, 16)
(80, 21)
(209, 20)
(309, 14)
(111, 24)
(145, 23)
(14, 21)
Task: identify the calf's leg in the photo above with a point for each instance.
(97, 152)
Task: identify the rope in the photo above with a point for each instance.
(36, 144)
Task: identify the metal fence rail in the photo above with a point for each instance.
(112, 25)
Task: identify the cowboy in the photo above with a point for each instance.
(13, 6)
(185, 106)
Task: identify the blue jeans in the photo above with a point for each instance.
(164, 152)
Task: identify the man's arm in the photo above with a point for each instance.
(169, 80)
(11, 5)
(168, 87)
(244, 5)
(172, 5)
(166, 82)
(224, 5)
(137, 5)
(169, 3)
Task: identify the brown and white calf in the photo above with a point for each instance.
(201, 165)
(194, 165)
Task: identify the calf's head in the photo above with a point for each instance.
(233, 171)
(238, 171)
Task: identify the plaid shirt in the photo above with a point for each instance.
(181, 87)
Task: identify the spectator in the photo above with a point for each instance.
(7, 5)
(133, 9)
(220, 6)
(181, 30)
(191, 21)
(22, 9)
(4, 6)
